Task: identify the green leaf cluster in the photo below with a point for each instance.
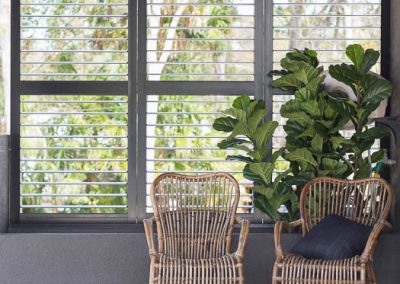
(313, 126)
(315, 117)
(249, 133)
(370, 90)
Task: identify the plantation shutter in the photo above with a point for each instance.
(207, 48)
(73, 134)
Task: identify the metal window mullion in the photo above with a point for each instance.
(141, 109)
(109, 88)
(265, 24)
(14, 183)
(133, 188)
(229, 88)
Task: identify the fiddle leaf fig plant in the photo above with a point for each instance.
(250, 134)
(312, 127)
(369, 90)
(315, 117)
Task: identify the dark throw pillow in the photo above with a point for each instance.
(334, 237)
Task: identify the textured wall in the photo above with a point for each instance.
(4, 183)
(122, 258)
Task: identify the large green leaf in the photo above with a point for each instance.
(255, 119)
(332, 168)
(287, 82)
(293, 129)
(311, 107)
(297, 180)
(225, 124)
(240, 129)
(263, 170)
(277, 154)
(338, 141)
(355, 53)
(237, 113)
(377, 156)
(241, 102)
(266, 191)
(228, 143)
(315, 84)
(248, 174)
(254, 106)
(374, 133)
(302, 155)
(262, 204)
(300, 117)
(259, 154)
(240, 158)
(376, 89)
(344, 73)
(317, 144)
(371, 57)
(265, 132)
(302, 70)
(363, 171)
(290, 106)
(242, 147)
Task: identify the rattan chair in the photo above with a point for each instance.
(195, 216)
(365, 201)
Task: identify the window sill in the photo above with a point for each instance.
(107, 228)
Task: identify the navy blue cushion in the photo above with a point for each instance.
(334, 237)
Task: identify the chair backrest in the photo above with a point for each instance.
(365, 201)
(195, 214)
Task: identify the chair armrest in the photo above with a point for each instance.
(378, 228)
(279, 226)
(244, 233)
(148, 228)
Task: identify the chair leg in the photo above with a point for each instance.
(275, 274)
(371, 274)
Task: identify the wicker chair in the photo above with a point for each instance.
(195, 216)
(365, 201)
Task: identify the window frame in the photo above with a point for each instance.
(137, 88)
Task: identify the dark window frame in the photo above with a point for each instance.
(137, 88)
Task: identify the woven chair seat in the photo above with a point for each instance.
(224, 269)
(320, 271)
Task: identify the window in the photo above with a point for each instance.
(108, 94)
(73, 130)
